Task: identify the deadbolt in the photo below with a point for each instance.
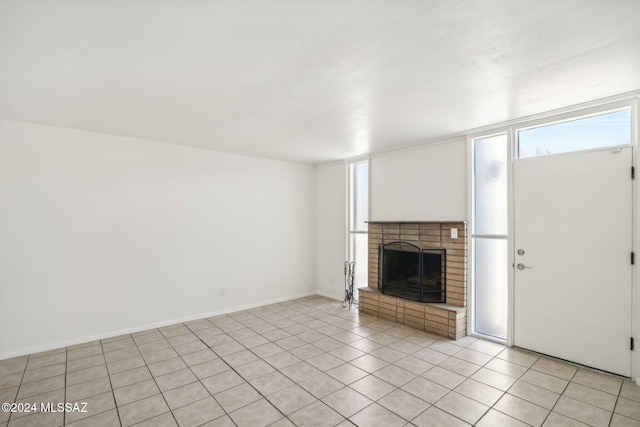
(520, 251)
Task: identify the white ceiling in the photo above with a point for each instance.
(309, 81)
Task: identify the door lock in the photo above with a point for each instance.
(520, 251)
(521, 266)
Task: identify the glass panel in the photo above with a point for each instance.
(412, 274)
(359, 253)
(359, 196)
(604, 130)
(490, 185)
(491, 287)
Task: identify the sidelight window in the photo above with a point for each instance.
(490, 235)
(358, 217)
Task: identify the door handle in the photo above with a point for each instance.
(521, 266)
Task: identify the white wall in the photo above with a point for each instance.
(422, 184)
(331, 199)
(433, 179)
(102, 234)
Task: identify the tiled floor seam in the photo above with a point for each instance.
(66, 367)
(113, 391)
(154, 380)
(562, 394)
(615, 406)
(276, 370)
(453, 415)
(24, 372)
(231, 368)
(507, 392)
(569, 385)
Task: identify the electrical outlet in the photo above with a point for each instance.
(222, 293)
(454, 233)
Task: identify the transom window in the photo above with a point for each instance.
(610, 129)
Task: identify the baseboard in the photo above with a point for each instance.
(331, 296)
(140, 328)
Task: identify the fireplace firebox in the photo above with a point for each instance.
(410, 272)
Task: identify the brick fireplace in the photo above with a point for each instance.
(447, 319)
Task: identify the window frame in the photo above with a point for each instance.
(351, 232)
(471, 306)
(570, 117)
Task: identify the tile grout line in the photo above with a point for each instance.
(154, 380)
(24, 372)
(237, 373)
(199, 380)
(66, 368)
(453, 389)
(368, 373)
(226, 363)
(297, 383)
(113, 391)
(279, 371)
(336, 318)
(560, 397)
(615, 405)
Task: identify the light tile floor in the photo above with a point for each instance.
(308, 362)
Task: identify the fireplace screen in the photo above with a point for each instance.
(409, 272)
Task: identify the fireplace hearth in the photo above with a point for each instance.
(423, 262)
(410, 272)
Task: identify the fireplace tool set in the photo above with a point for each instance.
(349, 272)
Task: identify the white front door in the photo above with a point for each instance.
(573, 243)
